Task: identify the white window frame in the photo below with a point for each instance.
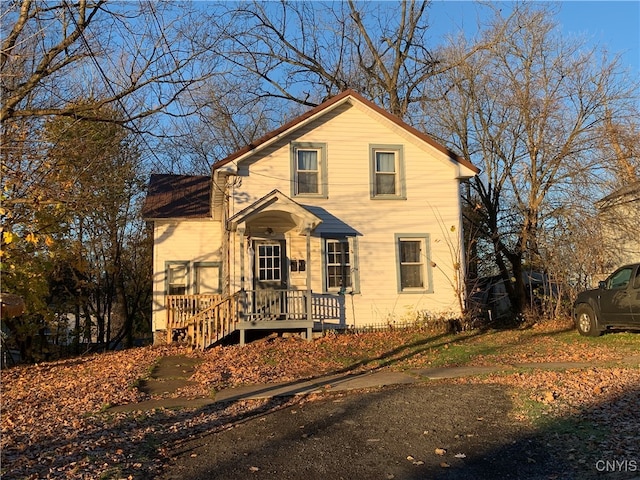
(399, 180)
(343, 263)
(424, 263)
(321, 149)
(272, 263)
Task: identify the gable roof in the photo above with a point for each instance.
(627, 194)
(333, 102)
(178, 196)
(277, 201)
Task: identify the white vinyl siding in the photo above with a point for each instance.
(431, 205)
(182, 243)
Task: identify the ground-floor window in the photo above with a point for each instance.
(177, 278)
(208, 277)
(414, 270)
(340, 264)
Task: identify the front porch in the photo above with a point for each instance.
(268, 248)
(203, 320)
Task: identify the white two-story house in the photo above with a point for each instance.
(345, 216)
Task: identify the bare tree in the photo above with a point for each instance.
(280, 58)
(305, 52)
(139, 57)
(532, 110)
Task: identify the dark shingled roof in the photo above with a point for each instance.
(178, 196)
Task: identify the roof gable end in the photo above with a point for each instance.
(322, 109)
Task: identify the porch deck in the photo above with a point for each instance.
(207, 319)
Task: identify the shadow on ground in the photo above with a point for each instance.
(385, 433)
(394, 433)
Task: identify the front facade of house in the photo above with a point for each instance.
(344, 217)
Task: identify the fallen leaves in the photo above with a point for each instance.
(53, 425)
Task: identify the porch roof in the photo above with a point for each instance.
(274, 203)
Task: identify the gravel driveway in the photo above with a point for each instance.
(434, 431)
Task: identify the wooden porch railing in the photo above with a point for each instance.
(182, 308)
(214, 323)
(205, 319)
(265, 305)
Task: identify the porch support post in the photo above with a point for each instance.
(309, 299)
(241, 233)
(243, 294)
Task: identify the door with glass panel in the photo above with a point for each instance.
(269, 279)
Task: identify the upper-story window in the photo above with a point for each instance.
(308, 172)
(387, 172)
(309, 169)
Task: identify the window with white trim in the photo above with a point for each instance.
(414, 266)
(177, 278)
(309, 169)
(387, 172)
(269, 258)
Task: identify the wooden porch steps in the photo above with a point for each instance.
(207, 319)
(203, 327)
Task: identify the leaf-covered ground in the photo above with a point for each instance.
(54, 423)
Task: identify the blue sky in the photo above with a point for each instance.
(612, 24)
(615, 25)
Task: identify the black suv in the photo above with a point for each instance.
(614, 304)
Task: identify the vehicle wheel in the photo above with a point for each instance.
(586, 321)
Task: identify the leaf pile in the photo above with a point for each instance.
(287, 359)
(54, 423)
